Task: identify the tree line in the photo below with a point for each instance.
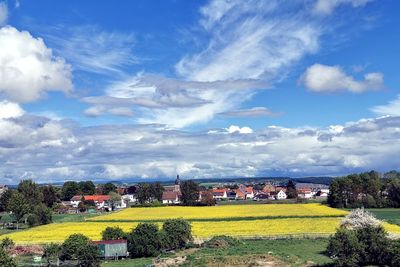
(368, 189)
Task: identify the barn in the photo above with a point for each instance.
(112, 248)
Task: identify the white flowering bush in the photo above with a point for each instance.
(359, 218)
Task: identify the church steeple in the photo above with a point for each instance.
(177, 181)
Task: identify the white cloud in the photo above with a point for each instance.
(96, 111)
(392, 108)
(326, 7)
(91, 49)
(10, 110)
(252, 112)
(3, 13)
(28, 68)
(237, 129)
(323, 78)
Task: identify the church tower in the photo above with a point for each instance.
(177, 181)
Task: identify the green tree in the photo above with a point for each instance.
(6, 260)
(43, 213)
(375, 244)
(190, 193)
(51, 252)
(4, 198)
(345, 248)
(144, 241)
(69, 189)
(87, 187)
(49, 195)
(393, 191)
(291, 190)
(178, 233)
(19, 206)
(157, 191)
(31, 192)
(113, 233)
(7, 243)
(109, 187)
(144, 193)
(79, 247)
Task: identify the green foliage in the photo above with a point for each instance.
(18, 205)
(113, 233)
(4, 198)
(7, 243)
(51, 252)
(178, 233)
(221, 241)
(190, 193)
(69, 189)
(50, 196)
(87, 188)
(108, 187)
(291, 190)
(345, 248)
(147, 193)
(114, 198)
(79, 247)
(144, 241)
(43, 213)
(375, 243)
(30, 191)
(6, 260)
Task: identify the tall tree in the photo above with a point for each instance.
(87, 187)
(69, 189)
(291, 190)
(144, 193)
(190, 192)
(109, 187)
(19, 206)
(30, 191)
(4, 198)
(49, 195)
(157, 191)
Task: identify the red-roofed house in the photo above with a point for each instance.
(99, 200)
(219, 194)
(304, 192)
(170, 197)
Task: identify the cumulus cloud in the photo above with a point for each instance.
(392, 108)
(3, 13)
(10, 110)
(28, 68)
(49, 150)
(252, 112)
(326, 7)
(324, 78)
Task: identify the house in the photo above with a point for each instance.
(240, 194)
(112, 248)
(268, 188)
(129, 199)
(249, 192)
(305, 192)
(261, 196)
(322, 193)
(170, 197)
(219, 194)
(101, 201)
(279, 194)
(231, 194)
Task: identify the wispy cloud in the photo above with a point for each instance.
(92, 49)
(3, 13)
(251, 112)
(323, 78)
(392, 108)
(326, 7)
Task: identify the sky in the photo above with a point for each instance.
(111, 90)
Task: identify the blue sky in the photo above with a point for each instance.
(114, 90)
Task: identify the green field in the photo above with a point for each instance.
(296, 252)
(390, 215)
(80, 217)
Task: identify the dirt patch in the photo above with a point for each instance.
(26, 250)
(166, 262)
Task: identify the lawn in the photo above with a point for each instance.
(298, 252)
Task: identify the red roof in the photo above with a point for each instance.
(101, 242)
(169, 195)
(95, 198)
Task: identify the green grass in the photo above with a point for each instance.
(141, 262)
(295, 252)
(79, 217)
(390, 215)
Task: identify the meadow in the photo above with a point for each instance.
(270, 221)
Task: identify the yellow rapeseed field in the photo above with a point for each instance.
(267, 227)
(221, 212)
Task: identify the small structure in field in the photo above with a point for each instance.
(112, 248)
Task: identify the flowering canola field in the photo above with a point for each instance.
(222, 212)
(234, 220)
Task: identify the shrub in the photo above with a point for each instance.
(6, 260)
(221, 241)
(113, 233)
(345, 248)
(359, 218)
(177, 233)
(51, 252)
(144, 241)
(79, 247)
(7, 243)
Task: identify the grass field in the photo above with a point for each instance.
(391, 215)
(233, 212)
(293, 253)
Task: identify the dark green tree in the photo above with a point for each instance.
(69, 189)
(31, 192)
(393, 191)
(51, 252)
(4, 198)
(178, 233)
(87, 188)
(144, 193)
(79, 247)
(19, 206)
(113, 233)
(108, 187)
(345, 248)
(190, 193)
(291, 190)
(157, 191)
(6, 260)
(144, 241)
(50, 196)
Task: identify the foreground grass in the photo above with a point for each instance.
(293, 252)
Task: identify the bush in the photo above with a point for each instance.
(7, 243)
(345, 248)
(6, 260)
(221, 241)
(79, 247)
(375, 245)
(51, 252)
(113, 233)
(178, 233)
(144, 241)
